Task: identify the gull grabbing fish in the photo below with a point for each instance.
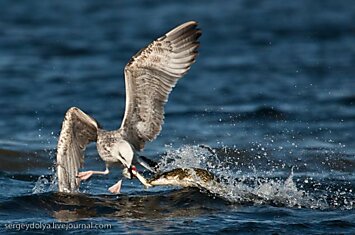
(149, 78)
(201, 179)
(186, 178)
(183, 177)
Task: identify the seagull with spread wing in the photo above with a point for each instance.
(149, 78)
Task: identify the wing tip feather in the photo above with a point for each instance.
(187, 27)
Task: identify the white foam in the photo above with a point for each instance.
(236, 187)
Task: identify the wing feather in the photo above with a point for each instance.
(150, 76)
(78, 130)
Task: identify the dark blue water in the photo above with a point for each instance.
(272, 91)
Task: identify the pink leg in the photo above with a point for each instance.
(116, 188)
(87, 174)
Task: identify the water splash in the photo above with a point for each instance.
(188, 156)
(243, 179)
(46, 183)
(257, 187)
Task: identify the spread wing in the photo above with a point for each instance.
(150, 76)
(78, 130)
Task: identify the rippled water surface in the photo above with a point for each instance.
(272, 92)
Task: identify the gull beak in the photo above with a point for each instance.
(127, 174)
(140, 177)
